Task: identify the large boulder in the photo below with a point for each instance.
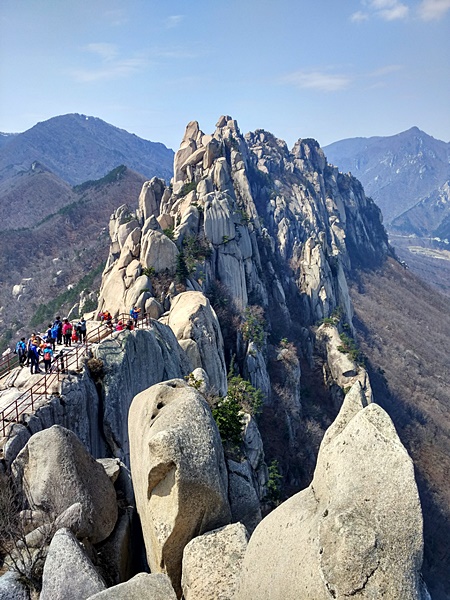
(178, 472)
(68, 572)
(143, 585)
(356, 531)
(158, 252)
(11, 587)
(133, 361)
(197, 329)
(150, 197)
(212, 563)
(55, 471)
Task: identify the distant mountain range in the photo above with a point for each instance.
(428, 218)
(78, 148)
(398, 171)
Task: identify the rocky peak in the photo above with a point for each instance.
(250, 201)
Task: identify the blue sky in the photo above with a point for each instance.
(327, 69)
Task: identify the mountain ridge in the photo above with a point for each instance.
(78, 147)
(397, 171)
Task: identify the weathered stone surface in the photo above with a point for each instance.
(212, 563)
(133, 361)
(153, 308)
(255, 370)
(141, 285)
(143, 585)
(159, 252)
(357, 528)
(231, 272)
(111, 466)
(55, 471)
(124, 231)
(68, 572)
(244, 500)
(219, 225)
(150, 197)
(116, 552)
(178, 472)
(11, 588)
(343, 370)
(192, 318)
(113, 291)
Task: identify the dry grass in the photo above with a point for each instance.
(404, 329)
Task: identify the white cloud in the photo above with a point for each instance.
(317, 80)
(117, 70)
(106, 52)
(174, 21)
(359, 16)
(400, 11)
(388, 10)
(324, 80)
(111, 66)
(430, 10)
(386, 70)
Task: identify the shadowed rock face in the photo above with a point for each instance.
(356, 531)
(178, 472)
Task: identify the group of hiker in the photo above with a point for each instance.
(44, 344)
(62, 332)
(120, 324)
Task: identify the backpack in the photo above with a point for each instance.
(54, 331)
(47, 354)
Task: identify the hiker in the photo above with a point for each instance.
(33, 354)
(48, 356)
(119, 326)
(74, 335)
(134, 314)
(50, 339)
(130, 325)
(82, 328)
(57, 327)
(31, 340)
(67, 332)
(21, 351)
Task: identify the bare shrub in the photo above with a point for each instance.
(25, 534)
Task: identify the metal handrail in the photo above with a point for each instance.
(13, 411)
(8, 362)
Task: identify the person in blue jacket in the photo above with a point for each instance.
(134, 314)
(33, 354)
(21, 351)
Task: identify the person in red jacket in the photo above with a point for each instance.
(67, 332)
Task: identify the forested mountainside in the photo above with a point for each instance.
(78, 148)
(56, 246)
